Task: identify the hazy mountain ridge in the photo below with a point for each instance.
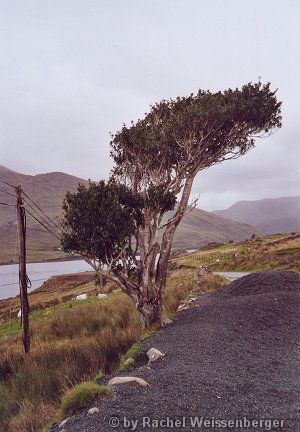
(48, 190)
(201, 227)
(270, 215)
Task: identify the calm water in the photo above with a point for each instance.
(38, 273)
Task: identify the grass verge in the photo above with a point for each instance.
(71, 343)
(80, 396)
(277, 252)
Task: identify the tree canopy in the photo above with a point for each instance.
(195, 132)
(99, 220)
(156, 161)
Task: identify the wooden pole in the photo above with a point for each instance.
(22, 270)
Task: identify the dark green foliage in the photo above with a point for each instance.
(99, 220)
(158, 158)
(207, 126)
(159, 200)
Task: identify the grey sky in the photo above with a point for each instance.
(73, 70)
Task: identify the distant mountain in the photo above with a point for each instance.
(270, 216)
(48, 190)
(201, 227)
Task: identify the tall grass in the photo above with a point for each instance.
(70, 346)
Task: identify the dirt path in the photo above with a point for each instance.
(232, 357)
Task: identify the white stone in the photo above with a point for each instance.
(153, 355)
(19, 314)
(93, 410)
(102, 296)
(182, 307)
(63, 422)
(127, 379)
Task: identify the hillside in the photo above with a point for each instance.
(48, 190)
(273, 252)
(270, 216)
(201, 227)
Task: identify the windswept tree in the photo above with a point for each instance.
(156, 161)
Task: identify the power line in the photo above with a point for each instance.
(34, 203)
(43, 219)
(8, 184)
(8, 193)
(16, 283)
(39, 208)
(9, 205)
(51, 232)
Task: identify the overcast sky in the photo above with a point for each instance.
(73, 70)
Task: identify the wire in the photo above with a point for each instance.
(51, 232)
(9, 205)
(40, 210)
(8, 184)
(16, 283)
(26, 210)
(37, 206)
(43, 219)
(8, 193)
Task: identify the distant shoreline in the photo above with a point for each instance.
(77, 258)
(74, 258)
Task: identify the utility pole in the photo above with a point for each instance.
(21, 216)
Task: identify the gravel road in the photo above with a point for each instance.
(232, 357)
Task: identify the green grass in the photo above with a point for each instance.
(71, 342)
(80, 396)
(68, 347)
(133, 351)
(256, 255)
(288, 251)
(99, 377)
(13, 326)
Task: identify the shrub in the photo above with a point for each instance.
(80, 396)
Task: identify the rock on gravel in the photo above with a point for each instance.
(233, 357)
(154, 354)
(93, 410)
(127, 379)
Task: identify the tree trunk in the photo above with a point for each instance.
(147, 292)
(150, 312)
(167, 240)
(100, 281)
